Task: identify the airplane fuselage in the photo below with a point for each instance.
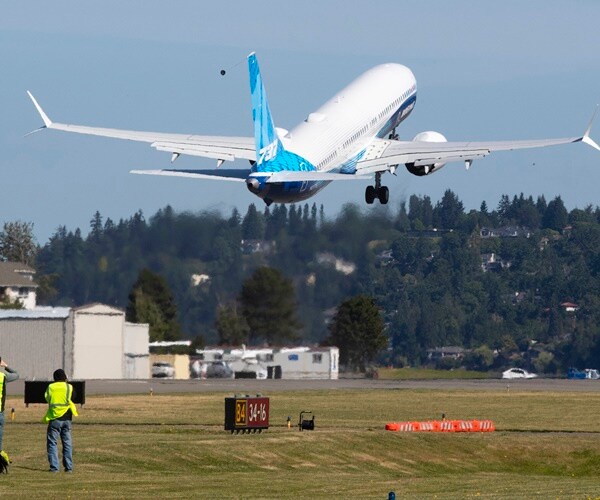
(338, 134)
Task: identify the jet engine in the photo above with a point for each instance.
(418, 168)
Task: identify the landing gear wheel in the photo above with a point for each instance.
(370, 195)
(383, 193)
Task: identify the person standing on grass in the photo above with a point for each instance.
(6, 376)
(61, 411)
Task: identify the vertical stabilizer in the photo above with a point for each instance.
(267, 143)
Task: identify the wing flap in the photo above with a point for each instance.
(291, 176)
(207, 150)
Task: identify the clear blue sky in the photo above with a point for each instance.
(486, 70)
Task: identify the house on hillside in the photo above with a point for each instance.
(569, 307)
(493, 262)
(453, 352)
(16, 283)
(340, 265)
(505, 232)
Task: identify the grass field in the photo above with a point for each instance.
(547, 445)
(430, 374)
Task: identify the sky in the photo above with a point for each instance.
(486, 70)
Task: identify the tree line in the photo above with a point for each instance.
(422, 264)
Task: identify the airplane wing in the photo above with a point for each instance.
(221, 148)
(241, 175)
(218, 174)
(384, 154)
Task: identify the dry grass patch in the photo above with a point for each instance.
(174, 446)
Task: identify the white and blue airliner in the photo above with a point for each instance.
(350, 137)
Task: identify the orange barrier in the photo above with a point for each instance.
(442, 426)
(487, 426)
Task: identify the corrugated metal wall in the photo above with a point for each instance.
(36, 347)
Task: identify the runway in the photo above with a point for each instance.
(246, 386)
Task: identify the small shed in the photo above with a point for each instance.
(137, 355)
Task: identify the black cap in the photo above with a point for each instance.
(59, 375)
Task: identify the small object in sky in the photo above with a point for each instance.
(223, 72)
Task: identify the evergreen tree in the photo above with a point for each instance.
(151, 301)
(231, 326)
(253, 224)
(268, 303)
(556, 216)
(357, 329)
(96, 227)
(449, 211)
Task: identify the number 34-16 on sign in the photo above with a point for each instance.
(246, 414)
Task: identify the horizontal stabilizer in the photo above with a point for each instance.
(289, 176)
(237, 175)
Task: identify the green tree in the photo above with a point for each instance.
(231, 326)
(480, 358)
(253, 226)
(556, 216)
(17, 243)
(357, 329)
(151, 301)
(268, 303)
(448, 211)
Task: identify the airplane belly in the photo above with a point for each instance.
(290, 192)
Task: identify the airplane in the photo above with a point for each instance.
(350, 137)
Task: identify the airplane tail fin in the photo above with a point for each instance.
(267, 142)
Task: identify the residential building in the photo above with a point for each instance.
(17, 284)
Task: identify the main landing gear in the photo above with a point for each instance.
(382, 193)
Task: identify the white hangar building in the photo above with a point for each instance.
(88, 342)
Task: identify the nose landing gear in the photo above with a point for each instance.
(382, 193)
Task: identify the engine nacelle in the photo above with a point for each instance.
(419, 169)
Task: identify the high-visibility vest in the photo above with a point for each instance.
(2, 391)
(58, 396)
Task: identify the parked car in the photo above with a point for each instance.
(219, 369)
(574, 373)
(161, 369)
(592, 374)
(517, 373)
(588, 373)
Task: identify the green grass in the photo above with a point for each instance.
(173, 446)
(430, 374)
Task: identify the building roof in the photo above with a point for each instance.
(16, 274)
(37, 313)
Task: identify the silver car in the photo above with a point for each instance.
(517, 373)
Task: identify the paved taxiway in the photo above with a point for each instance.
(245, 386)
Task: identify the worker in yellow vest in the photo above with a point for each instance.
(61, 411)
(6, 376)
